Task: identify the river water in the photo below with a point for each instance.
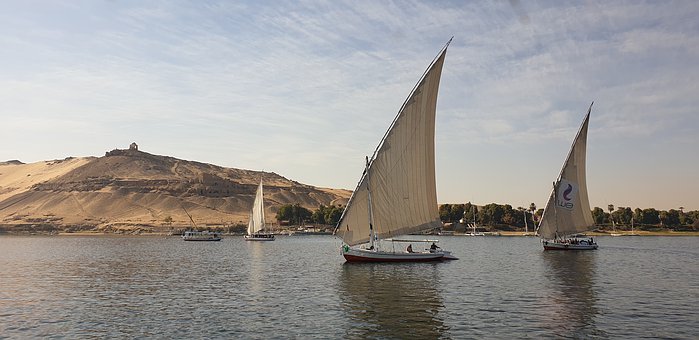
(300, 287)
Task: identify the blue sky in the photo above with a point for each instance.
(307, 88)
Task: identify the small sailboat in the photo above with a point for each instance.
(256, 224)
(633, 233)
(474, 226)
(397, 194)
(614, 232)
(567, 211)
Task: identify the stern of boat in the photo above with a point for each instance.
(555, 245)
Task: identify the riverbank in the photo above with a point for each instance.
(620, 233)
(495, 234)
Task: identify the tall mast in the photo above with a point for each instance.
(555, 211)
(262, 206)
(190, 217)
(371, 212)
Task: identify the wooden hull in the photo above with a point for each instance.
(203, 239)
(201, 236)
(259, 237)
(363, 255)
(555, 245)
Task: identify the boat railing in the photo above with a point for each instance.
(407, 241)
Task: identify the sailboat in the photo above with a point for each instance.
(632, 231)
(567, 211)
(396, 194)
(474, 225)
(257, 219)
(614, 232)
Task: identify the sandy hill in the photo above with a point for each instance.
(135, 188)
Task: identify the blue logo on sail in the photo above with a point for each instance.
(567, 191)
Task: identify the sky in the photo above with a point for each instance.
(307, 89)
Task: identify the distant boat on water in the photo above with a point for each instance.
(633, 233)
(567, 211)
(194, 235)
(614, 232)
(256, 224)
(396, 194)
(630, 233)
(474, 226)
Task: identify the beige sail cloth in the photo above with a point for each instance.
(567, 211)
(257, 214)
(401, 176)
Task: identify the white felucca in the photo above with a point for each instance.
(615, 233)
(256, 224)
(474, 226)
(567, 211)
(397, 194)
(632, 232)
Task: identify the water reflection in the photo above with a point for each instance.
(392, 301)
(256, 267)
(571, 308)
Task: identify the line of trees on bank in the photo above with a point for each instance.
(505, 217)
(499, 216)
(295, 214)
(649, 216)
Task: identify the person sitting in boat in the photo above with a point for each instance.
(433, 248)
(410, 248)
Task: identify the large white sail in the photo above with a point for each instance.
(401, 174)
(567, 211)
(257, 215)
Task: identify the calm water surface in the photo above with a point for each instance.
(300, 287)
